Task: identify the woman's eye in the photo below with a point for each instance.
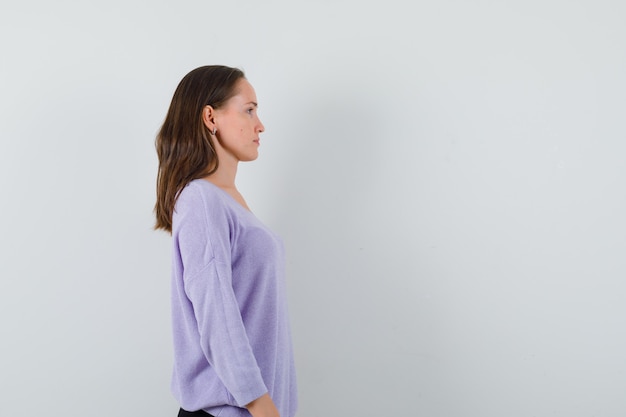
(250, 111)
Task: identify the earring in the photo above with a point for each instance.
(214, 131)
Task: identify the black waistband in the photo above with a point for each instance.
(184, 413)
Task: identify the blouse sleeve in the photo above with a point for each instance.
(203, 235)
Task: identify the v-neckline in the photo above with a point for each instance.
(233, 199)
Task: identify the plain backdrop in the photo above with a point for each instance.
(448, 177)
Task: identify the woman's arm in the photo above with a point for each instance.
(263, 407)
(202, 233)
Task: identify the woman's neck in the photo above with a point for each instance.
(225, 174)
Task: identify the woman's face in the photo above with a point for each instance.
(238, 124)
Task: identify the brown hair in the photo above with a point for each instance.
(184, 145)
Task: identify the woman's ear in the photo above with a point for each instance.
(208, 117)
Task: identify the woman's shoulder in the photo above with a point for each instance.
(200, 200)
(201, 204)
(201, 192)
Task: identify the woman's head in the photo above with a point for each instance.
(235, 126)
(185, 145)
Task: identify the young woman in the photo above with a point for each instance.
(232, 343)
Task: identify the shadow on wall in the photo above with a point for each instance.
(332, 176)
(347, 264)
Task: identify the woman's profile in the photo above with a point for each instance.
(232, 342)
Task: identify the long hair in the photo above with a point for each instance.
(184, 144)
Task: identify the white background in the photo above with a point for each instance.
(448, 177)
